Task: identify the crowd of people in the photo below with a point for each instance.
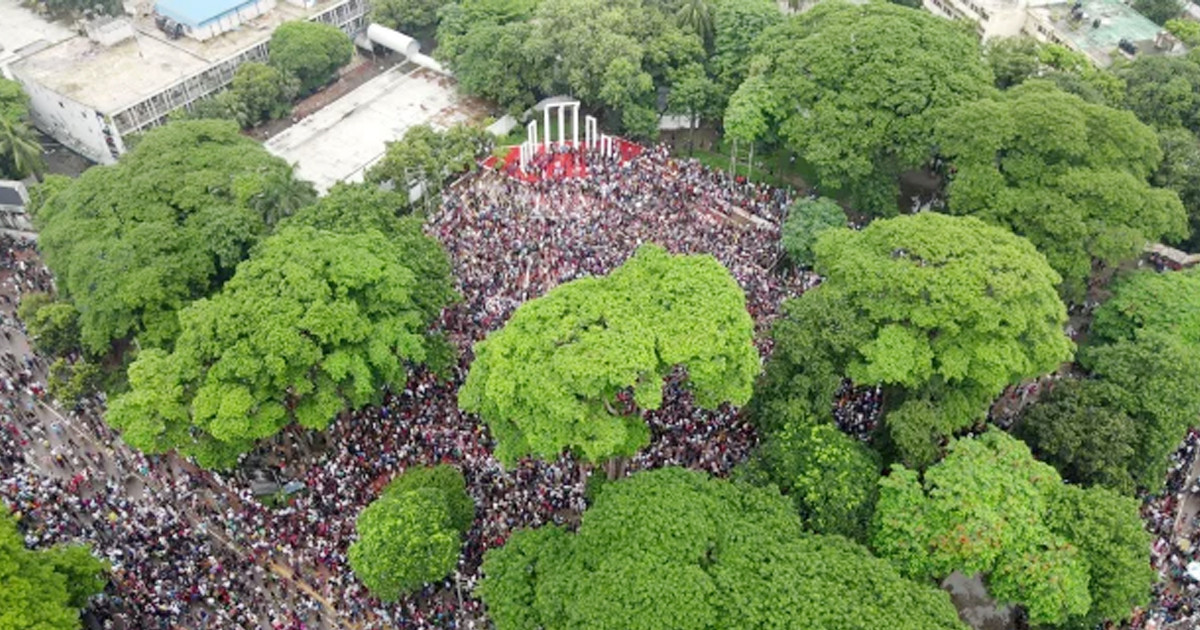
(197, 549)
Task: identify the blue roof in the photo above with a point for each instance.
(196, 13)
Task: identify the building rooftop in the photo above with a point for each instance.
(110, 79)
(195, 13)
(23, 29)
(1117, 21)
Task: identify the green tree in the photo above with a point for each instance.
(806, 220)
(44, 590)
(424, 154)
(1068, 175)
(693, 94)
(53, 326)
(989, 507)
(1164, 91)
(736, 24)
(315, 323)
(944, 311)
(1145, 301)
(1082, 431)
(14, 103)
(131, 244)
(1013, 59)
(675, 549)
(263, 92)
(831, 478)
(550, 378)
(1188, 31)
(411, 534)
(310, 51)
(857, 121)
(418, 18)
(1180, 172)
(747, 118)
(696, 15)
(494, 62)
(1159, 11)
(20, 151)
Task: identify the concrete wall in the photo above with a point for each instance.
(84, 130)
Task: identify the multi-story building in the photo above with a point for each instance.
(126, 75)
(1103, 30)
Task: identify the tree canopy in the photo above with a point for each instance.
(550, 379)
(830, 477)
(1066, 554)
(857, 121)
(1164, 91)
(411, 534)
(1068, 175)
(132, 243)
(675, 549)
(310, 51)
(314, 323)
(44, 590)
(944, 311)
(425, 154)
(806, 220)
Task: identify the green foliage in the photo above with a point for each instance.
(806, 220)
(990, 508)
(1068, 175)
(20, 151)
(1072, 71)
(14, 103)
(947, 312)
(736, 24)
(1013, 59)
(418, 18)
(1081, 431)
(310, 51)
(675, 549)
(1145, 301)
(53, 327)
(550, 378)
(405, 539)
(44, 590)
(70, 382)
(264, 92)
(314, 323)
(857, 121)
(433, 155)
(130, 244)
(1159, 11)
(1164, 91)
(1180, 171)
(444, 479)
(830, 477)
(492, 61)
(1188, 31)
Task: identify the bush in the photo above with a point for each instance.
(310, 51)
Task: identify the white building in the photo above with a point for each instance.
(205, 19)
(88, 92)
(1103, 30)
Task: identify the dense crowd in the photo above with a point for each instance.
(196, 549)
(1176, 534)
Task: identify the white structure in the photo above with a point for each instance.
(1103, 30)
(88, 95)
(404, 45)
(561, 108)
(591, 133)
(206, 19)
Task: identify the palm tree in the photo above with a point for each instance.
(20, 150)
(282, 195)
(696, 15)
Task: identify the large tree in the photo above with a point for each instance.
(44, 590)
(552, 377)
(412, 533)
(1164, 91)
(673, 549)
(806, 220)
(1068, 175)
(944, 311)
(418, 18)
(1068, 555)
(425, 155)
(315, 323)
(310, 51)
(131, 244)
(858, 120)
(736, 24)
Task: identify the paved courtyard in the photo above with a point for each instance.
(339, 142)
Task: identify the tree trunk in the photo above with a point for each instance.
(615, 468)
(692, 134)
(733, 163)
(750, 164)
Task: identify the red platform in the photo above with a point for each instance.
(554, 165)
